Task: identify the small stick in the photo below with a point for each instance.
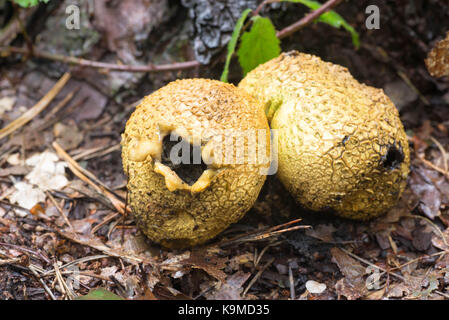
(433, 226)
(98, 245)
(259, 257)
(75, 262)
(36, 109)
(419, 258)
(96, 152)
(46, 288)
(59, 210)
(291, 282)
(106, 220)
(10, 261)
(373, 265)
(58, 107)
(103, 65)
(443, 153)
(82, 174)
(434, 167)
(257, 276)
(287, 31)
(70, 294)
(27, 250)
(246, 235)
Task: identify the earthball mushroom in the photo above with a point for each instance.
(196, 153)
(341, 144)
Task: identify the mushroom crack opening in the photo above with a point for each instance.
(183, 158)
(393, 158)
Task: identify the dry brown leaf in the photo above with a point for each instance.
(212, 265)
(352, 286)
(68, 136)
(232, 288)
(322, 232)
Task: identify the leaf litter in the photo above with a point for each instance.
(73, 222)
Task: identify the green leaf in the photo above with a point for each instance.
(100, 294)
(331, 18)
(233, 43)
(258, 45)
(29, 3)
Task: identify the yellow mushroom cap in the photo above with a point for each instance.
(181, 210)
(341, 144)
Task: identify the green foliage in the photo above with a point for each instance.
(233, 43)
(331, 18)
(100, 294)
(258, 45)
(29, 3)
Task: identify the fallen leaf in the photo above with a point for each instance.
(400, 93)
(352, 286)
(212, 265)
(232, 288)
(68, 136)
(322, 232)
(421, 183)
(422, 237)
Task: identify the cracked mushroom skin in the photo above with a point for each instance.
(185, 204)
(341, 144)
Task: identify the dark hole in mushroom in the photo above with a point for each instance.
(186, 162)
(393, 158)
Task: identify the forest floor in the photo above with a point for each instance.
(77, 238)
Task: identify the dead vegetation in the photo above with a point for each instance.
(64, 224)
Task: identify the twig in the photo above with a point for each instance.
(46, 288)
(59, 210)
(64, 287)
(100, 246)
(263, 4)
(10, 261)
(36, 109)
(103, 65)
(105, 220)
(257, 276)
(291, 282)
(287, 31)
(259, 257)
(435, 227)
(443, 153)
(82, 174)
(48, 117)
(372, 264)
(96, 152)
(413, 87)
(27, 250)
(261, 234)
(419, 258)
(434, 167)
(75, 262)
